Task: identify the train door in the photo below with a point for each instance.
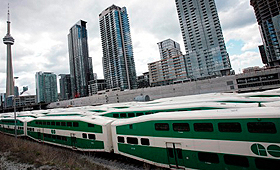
(175, 156)
(73, 140)
(39, 134)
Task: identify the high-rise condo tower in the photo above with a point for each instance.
(268, 17)
(206, 54)
(118, 61)
(80, 67)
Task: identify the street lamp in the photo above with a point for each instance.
(15, 113)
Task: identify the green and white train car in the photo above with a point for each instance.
(7, 125)
(88, 133)
(246, 138)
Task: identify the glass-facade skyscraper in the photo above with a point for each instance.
(80, 67)
(206, 53)
(118, 60)
(169, 48)
(46, 87)
(65, 86)
(268, 17)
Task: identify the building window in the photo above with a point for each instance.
(162, 126)
(261, 127)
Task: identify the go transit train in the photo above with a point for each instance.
(230, 132)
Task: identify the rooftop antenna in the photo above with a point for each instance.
(8, 12)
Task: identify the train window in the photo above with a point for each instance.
(36, 123)
(162, 126)
(236, 160)
(179, 153)
(261, 127)
(90, 125)
(44, 123)
(58, 137)
(268, 164)
(116, 115)
(49, 136)
(57, 123)
(131, 140)
(130, 126)
(75, 124)
(91, 136)
(64, 138)
(208, 157)
(130, 114)
(181, 127)
(53, 123)
(170, 152)
(203, 127)
(48, 123)
(123, 115)
(230, 127)
(145, 141)
(40, 123)
(85, 135)
(69, 124)
(148, 113)
(53, 136)
(120, 139)
(139, 114)
(63, 123)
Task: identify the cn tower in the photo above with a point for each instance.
(9, 41)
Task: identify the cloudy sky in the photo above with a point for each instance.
(40, 31)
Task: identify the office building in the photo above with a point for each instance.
(268, 16)
(206, 54)
(65, 87)
(171, 68)
(118, 61)
(46, 87)
(143, 80)
(169, 48)
(9, 41)
(80, 62)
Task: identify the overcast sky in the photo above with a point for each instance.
(40, 31)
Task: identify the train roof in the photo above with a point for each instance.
(240, 113)
(99, 120)
(23, 119)
(198, 106)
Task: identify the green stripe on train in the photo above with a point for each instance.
(69, 142)
(83, 126)
(148, 129)
(128, 114)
